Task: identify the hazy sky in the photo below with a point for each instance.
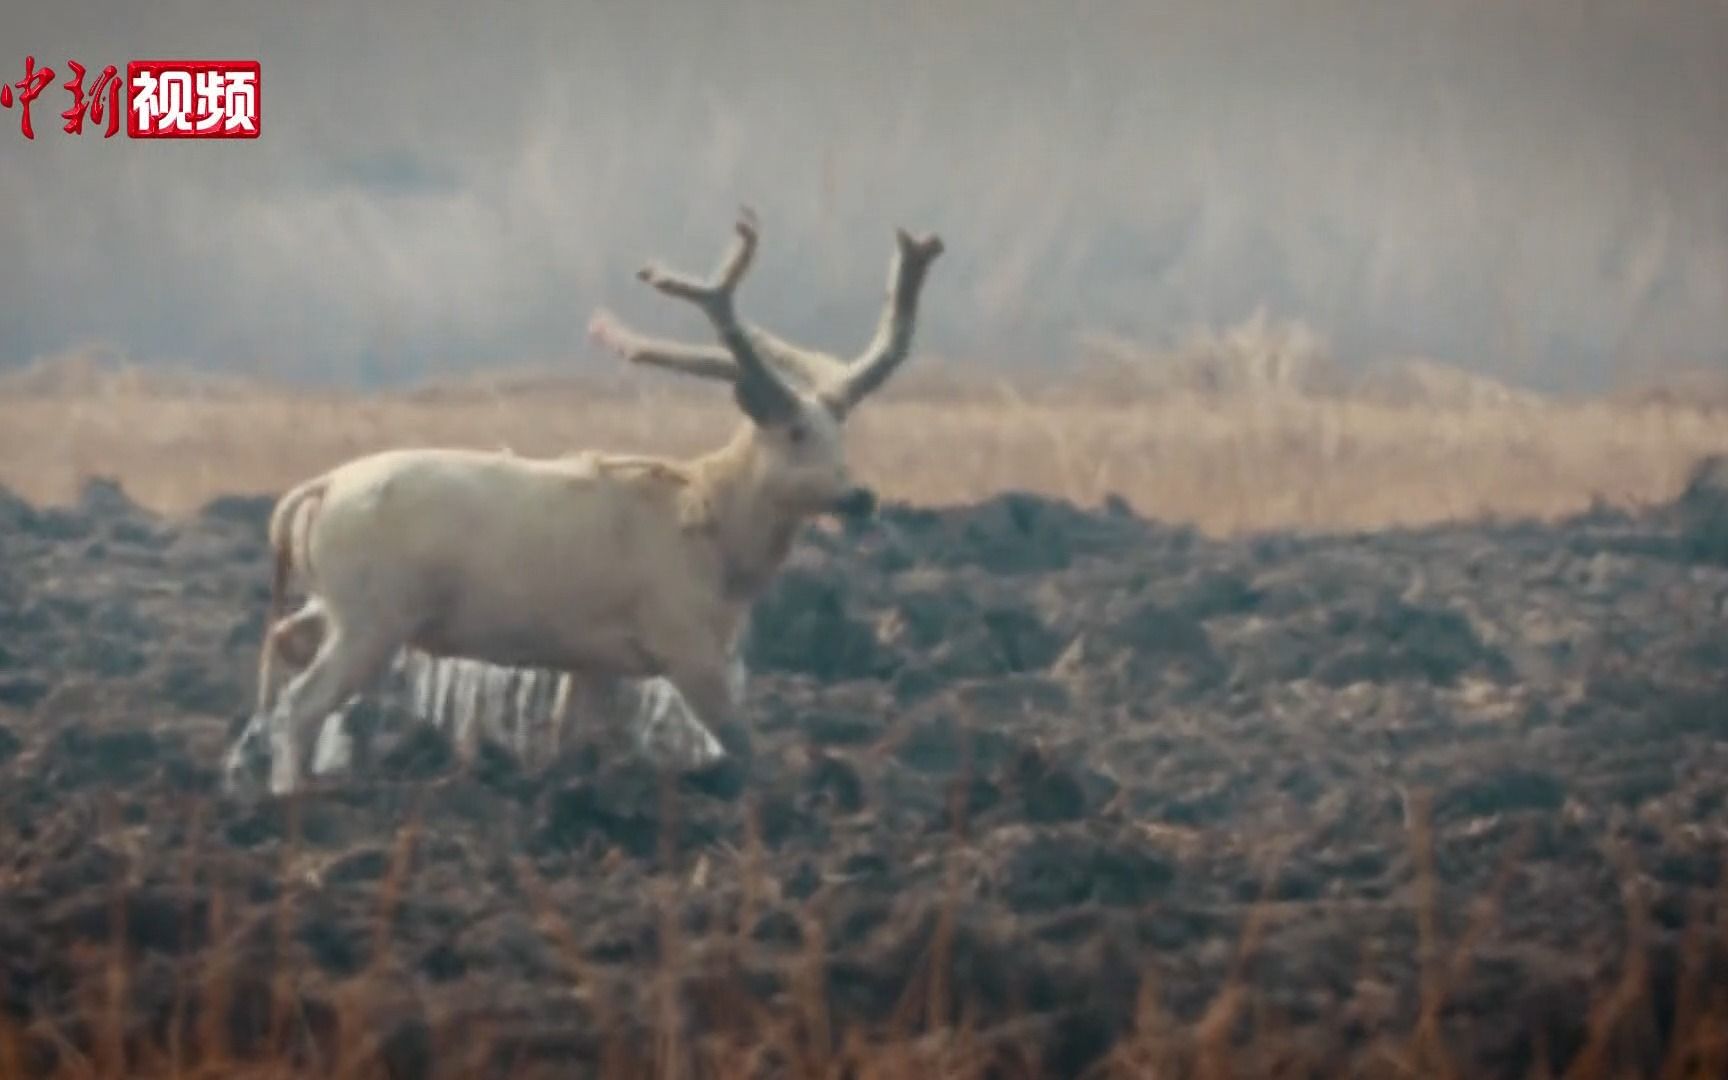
(1532, 188)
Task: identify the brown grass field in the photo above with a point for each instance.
(1224, 466)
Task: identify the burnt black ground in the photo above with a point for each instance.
(1100, 738)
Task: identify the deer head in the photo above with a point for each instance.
(795, 398)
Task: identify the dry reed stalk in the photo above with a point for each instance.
(1212, 1034)
(189, 862)
(1607, 1013)
(283, 982)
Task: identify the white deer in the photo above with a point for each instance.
(602, 566)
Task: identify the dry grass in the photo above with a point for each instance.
(1227, 464)
(798, 1036)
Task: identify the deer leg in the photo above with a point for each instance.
(293, 640)
(669, 731)
(345, 663)
(706, 689)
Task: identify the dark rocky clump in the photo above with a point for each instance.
(1703, 510)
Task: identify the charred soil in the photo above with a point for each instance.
(1012, 764)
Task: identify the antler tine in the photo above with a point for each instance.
(737, 261)
(810, 368)
(720, 286)
(707, 361)
(758, 390)
(893, 339)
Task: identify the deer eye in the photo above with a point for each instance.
(796, 433)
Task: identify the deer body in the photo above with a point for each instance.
(548, 563)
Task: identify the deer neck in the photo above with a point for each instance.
(753, 534)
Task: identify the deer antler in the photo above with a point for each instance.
(893, 339)
(842, 384)
(759, 391)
